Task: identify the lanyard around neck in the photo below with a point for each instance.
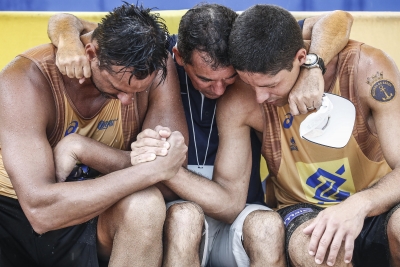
(194, 134)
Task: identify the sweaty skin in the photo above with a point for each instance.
(50, 205)
(228, 193)
(336, 227)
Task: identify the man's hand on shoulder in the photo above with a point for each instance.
(71, 60)
(306, 94)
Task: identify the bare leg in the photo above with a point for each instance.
(298, 250)
(393, 231)
(182, 235)
(131, 230)
(263, 238)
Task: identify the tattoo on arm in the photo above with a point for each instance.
(382, 90)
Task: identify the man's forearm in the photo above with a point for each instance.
(65, 28)
(330, 34)
(382, 196)
(214, 199)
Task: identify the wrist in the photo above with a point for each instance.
(68, 39)
(362, 203)
(314, 61)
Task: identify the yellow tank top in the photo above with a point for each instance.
(304, 172)
(114, 125)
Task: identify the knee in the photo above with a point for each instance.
(146, 206)
(393, 226)
(298, 250)
(298, 246)
(264, 225)
(185, 214)
(393, 233)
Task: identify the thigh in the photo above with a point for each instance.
(21, 246)
(372, 245)
(227, 246)
(293, 217)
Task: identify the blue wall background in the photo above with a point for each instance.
(107, 5)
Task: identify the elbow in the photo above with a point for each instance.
(37, 214)
(229, 214)
(37, 219)
(346, 18)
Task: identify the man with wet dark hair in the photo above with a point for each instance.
(49, 217)
(204, 70)
(339, 205)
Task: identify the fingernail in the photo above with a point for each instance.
(317, 261)
(164, 151)
(346, 261)
(330, 263)
(311, 253)
(166, 145)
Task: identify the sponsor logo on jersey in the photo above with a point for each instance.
(288, 121)
(293, 145)
(72, 128)
(103, 125)
(326, 182)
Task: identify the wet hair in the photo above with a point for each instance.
(265, 39)
(206, 28)
(132, 37)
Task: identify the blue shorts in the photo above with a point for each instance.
(20, 245)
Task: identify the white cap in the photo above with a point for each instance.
(332, 125)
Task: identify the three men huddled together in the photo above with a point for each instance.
(124, 145)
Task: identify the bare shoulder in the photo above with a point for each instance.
(239, 102)
(26, 93)
(378, 77)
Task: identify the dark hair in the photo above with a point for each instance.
(132, 37)
(265, 39)
(206, 28)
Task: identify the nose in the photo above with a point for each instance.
(126, 99)
(219, 88)
(261, 95)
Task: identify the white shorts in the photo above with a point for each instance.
(221, 244)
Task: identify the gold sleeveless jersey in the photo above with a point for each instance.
(304, 172)
(114, 125)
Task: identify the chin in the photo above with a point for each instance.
(212, 96)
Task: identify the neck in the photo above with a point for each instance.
(85, 97)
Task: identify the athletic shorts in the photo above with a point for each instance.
(371, 247)
(222, 244)
(20, 245)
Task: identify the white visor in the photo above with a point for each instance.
(332, 125)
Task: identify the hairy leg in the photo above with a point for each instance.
(393, 232)
(130, 232)
(298, 250)
(182, 234)
(263, 238)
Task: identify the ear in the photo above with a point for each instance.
(178, 56)
(91, 51)
(301, 56)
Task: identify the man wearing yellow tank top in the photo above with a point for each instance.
(46, 220)
(338, 205)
